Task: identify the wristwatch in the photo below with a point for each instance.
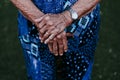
(73, 14)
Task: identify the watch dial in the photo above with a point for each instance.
(74, 16)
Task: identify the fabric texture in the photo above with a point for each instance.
(77, 62)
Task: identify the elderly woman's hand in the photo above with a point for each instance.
(58, 45)
(50, 25)
(51, 30)
(54, 24)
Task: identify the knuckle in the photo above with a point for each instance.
(41, 31)
(52, 27)
(55, 39)
(59, 36)
(57, 31)
(61, 46)
(50, 23)
(47, 18)
(64, 34)
(47, 34)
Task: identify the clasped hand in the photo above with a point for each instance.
(51, 31)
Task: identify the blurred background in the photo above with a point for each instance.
(107, 56)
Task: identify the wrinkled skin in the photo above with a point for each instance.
(51, 30)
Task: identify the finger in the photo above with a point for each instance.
(64, 38)
(50, 38)
(56, 31)
(53, 34)
(47, 34)
(55, 48)
(42, 30)
(39, 19)
(50, 46)
(48, 25)
(59, 28)
(43, 22)
(40, 37)
(60, 45)
(51, 41)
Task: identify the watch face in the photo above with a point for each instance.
(74, 16)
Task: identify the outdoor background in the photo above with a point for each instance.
(107, 56)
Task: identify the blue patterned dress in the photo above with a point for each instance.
(77, 62)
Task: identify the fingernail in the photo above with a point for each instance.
(39, 37)
(45, 42)
(65, 50)
(56, 54)
(61, 54)
(41, 41)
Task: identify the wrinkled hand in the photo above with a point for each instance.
(51, 30)
(58, 45)
(50, 25)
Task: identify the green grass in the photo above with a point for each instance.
(107, 56)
